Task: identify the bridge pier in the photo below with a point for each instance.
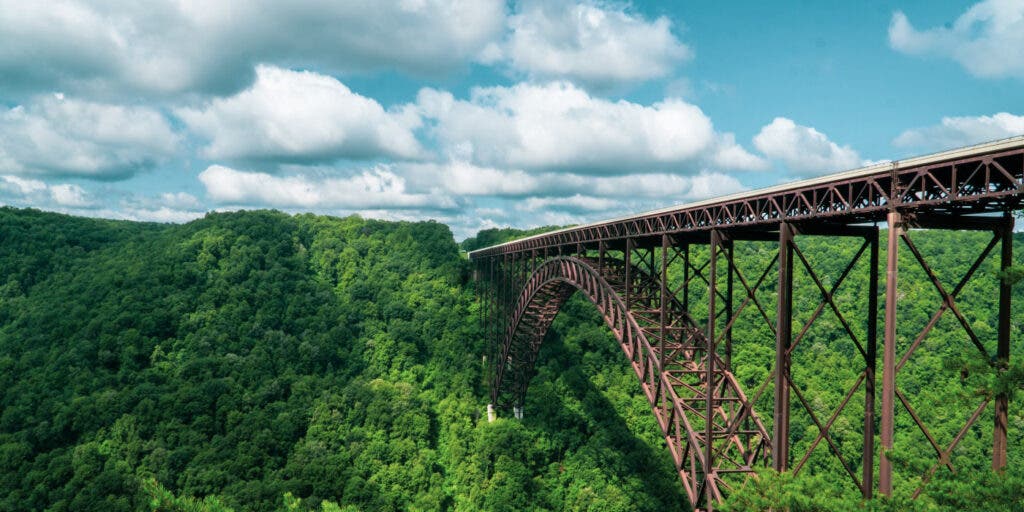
(870, 362)
(727, 245)
(790, 252)
(900, 225)
(783, 341)
(887, 426)
(1003, 345)
(709, 382)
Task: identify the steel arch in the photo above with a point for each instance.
(675, 385)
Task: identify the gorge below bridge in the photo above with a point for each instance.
(670, 287)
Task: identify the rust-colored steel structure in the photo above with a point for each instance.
(684, 363)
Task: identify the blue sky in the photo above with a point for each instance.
(481, 113)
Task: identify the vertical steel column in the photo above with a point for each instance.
(868, 462)
(686, 277)
(1003, 346)
(783, 340)
(506, 277)
(729, 247)
(491, 331)
(521, 273)
(628, 258)
(485, 285)
(513, 274)
(896, 228)
(500, 291)
(663, 302)
(496, 328)
(709, 382)
(651, 268)
(510, 282)
(508, 274)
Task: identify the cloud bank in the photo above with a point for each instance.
(592, 43)
(954, 132)
(58, 136)
(804, 149)
(558, 126)
(987, 40)
(164, 47)
(301, 116)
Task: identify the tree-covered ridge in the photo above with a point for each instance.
(261, 361)
(249, 355)
(202, 354)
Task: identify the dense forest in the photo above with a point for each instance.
(262, 361)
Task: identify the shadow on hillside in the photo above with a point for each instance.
(564, 403)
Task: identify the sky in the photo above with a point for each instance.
(481, 113)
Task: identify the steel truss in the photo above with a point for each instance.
(1002, 230)
(990, 179)
(710, 439)
(678, 333)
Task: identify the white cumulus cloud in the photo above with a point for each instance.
(955, 132)
(657, 189)
(465, 179)
(301, 116)
(160, 214)
(32, 192)
(378, 187)
(20, 186)
(987, 40)
(546, 198)
(54, 135)
(180, 200)
(72, 196)
(164, 207)
(589, 42)
(558, 126)
(804, 149)
(574, 203)
(171, 47)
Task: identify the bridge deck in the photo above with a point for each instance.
(977, 179)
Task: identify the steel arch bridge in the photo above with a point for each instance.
(681, 351)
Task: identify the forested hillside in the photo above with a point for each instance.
(261, 361)
(249, 355)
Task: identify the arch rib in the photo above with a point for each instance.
(677, 389)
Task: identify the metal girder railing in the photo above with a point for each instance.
(983, 178)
